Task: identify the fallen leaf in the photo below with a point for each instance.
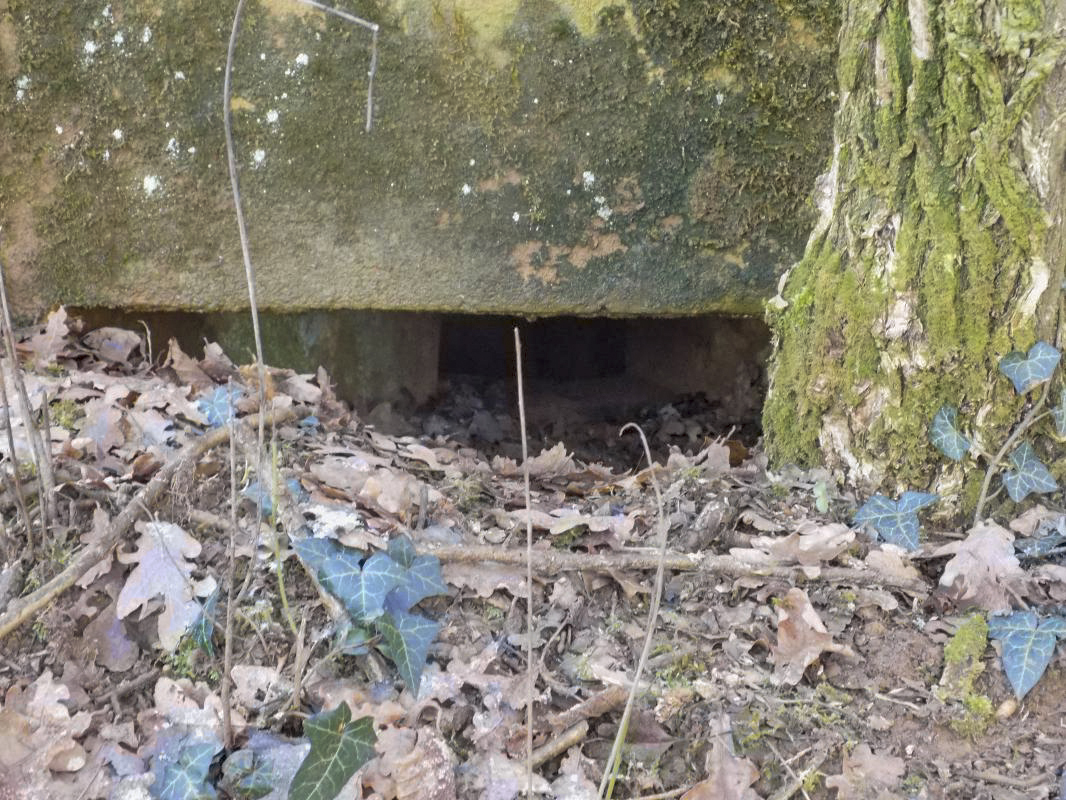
(46, 344)
(801, 638)
(728, 777)
(865, 775)
(112, 344)
(106, 636)
(163, 569)
(984, 572)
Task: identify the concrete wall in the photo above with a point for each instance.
(527, 156)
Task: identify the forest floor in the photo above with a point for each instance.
(793, 655)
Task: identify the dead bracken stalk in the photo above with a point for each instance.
(529, 564)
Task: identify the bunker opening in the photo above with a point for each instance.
(688, 380)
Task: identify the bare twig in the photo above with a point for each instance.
(551, 562)
(22, 609)
(373, 27)
(614, 760)
(529, 565)
(560, 744)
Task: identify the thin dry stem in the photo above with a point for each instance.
(231, 576)
(17, 490)
(529, 565)
(613, 761)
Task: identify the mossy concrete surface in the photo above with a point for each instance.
(526, 156)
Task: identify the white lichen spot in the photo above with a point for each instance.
(719, 98)
(191, 151)
(59, 129)
(106, 13)
(302, 60)
(151, 185)
(536, 101)
(20, 95)
(107, 155)
(23, 82)
(146, 35)
(90, 48)
(262, 56)
(119, 39)
(604, 213)
(116, 134)
(516, 216)
(587, 179)
(258, 157)
(472, 162)
(179, 75)
(284, 95)
(466, 190)
(272, 116)
(172, 147)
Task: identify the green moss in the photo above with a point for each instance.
(963, 665)
(951, 229)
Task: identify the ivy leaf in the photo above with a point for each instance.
(316, 552)
(362, 590)
(338, 748)
(218, 406)
(407, 640)
(1027, 370)
(1030, 476)
(204, 627)
(1058, 413)
(419, 579)
(896, 521)
(946, 437)
(186, 778)
(264, 498)
(246, 775)
(1028, 645)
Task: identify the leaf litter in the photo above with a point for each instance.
(796, 654)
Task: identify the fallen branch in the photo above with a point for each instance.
(552, 561)
(22, 609)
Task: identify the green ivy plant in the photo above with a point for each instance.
(1027, 638)
(379, 591)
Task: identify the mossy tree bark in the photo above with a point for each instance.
(940, 245)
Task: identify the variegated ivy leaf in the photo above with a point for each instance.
(1058, 413)
(338, 748)
(1030, 475)
(1028, 645)
(896, 521)
(1027, 370)
(945, 435)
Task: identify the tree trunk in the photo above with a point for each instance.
(940, 243)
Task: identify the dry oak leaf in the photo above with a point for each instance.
(801, 638)
(985, 571)
(866, 775)
(728, 777)
(163, 568)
